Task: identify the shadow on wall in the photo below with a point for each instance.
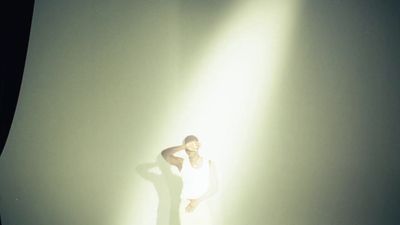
(168, 187)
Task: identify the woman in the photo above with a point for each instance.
(198, 178)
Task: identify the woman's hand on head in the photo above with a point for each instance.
(192, 145)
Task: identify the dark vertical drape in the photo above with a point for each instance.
(17, 17)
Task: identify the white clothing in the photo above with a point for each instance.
(195, 181)
(201, 215)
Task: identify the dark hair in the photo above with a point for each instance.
(190, 138)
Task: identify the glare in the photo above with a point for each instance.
(230, 87)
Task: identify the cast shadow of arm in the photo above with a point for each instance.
(168, 187)
(145, 171)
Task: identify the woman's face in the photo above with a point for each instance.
(193, 146)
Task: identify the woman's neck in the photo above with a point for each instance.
(195, 160)
(194, 157)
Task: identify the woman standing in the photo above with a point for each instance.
(199, 181)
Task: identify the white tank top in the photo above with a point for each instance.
(195, 180)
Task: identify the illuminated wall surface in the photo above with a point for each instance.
(295, 101)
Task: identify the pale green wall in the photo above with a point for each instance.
(101, 76)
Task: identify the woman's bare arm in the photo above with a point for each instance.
(213, 188)
(168, 155)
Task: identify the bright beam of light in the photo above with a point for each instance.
(231, 86)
